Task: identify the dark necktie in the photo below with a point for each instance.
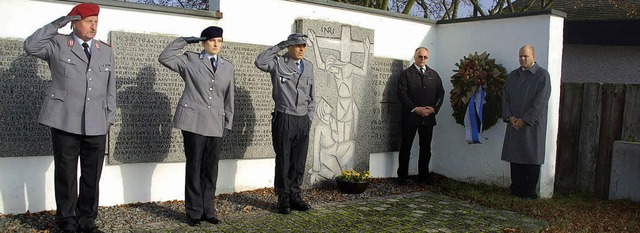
(300, 69)
(213, 64)
(422, 71)
(86, 51)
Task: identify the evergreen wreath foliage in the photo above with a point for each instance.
(473, 71)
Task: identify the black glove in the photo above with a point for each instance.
(191, 39)
(226, 132)
(284, 44)
(64, 20)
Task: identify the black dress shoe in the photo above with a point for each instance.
(93, 230)
(298, 204)
(68, 228)
(427, 180)
(284, 207)
(193, 222)
(212, 220)
(402, 181)
(89, 229)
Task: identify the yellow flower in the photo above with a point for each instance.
(353, 176)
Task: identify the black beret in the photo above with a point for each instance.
(211, 32)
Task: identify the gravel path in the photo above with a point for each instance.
(227, 205)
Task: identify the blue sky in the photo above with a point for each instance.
(464, 10)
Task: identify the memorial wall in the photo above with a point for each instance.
(23, 80)
(357, 109)
(148, 93)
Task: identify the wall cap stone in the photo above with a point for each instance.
(154, 8)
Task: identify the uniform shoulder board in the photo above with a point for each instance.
(105, 43)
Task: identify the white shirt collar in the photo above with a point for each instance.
(80, 41)
(209, 56)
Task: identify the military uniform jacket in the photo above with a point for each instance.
(292, 92)
(82, 96)
(526, 95)
(418, 90)
(206, 105)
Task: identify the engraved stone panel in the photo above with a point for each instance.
(148, 94)
(356, 100)
(357, 109)
(23, 81)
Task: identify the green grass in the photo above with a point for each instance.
(567, 211)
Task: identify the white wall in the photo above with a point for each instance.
(27, 183)
(502, 38)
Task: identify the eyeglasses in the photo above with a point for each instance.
(422, 57)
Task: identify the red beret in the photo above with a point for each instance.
(85, 10)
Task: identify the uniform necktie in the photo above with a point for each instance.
(422, 70)
(213, 64)
(86, 50)
(300, 69)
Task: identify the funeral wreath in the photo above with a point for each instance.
(475, 71)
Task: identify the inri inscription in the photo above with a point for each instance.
(356, 110)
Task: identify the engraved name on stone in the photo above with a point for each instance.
(149, 92)
(23, 81)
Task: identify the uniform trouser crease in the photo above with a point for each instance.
(202, 154)
(290, 135)
(67, 149)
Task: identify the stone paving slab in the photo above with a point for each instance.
(413, 212)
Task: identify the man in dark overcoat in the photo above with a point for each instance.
(524, 108)
(421, 93)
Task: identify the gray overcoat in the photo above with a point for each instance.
(82, 96)
(206, 105)
(526, 95)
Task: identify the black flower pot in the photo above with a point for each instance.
(352, 187)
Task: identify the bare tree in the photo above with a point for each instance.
(432, 9)
(377, 4)
(189, 4)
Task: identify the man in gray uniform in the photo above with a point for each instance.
(524, 108)
(79, 107)
(292, 80)
(204, 114)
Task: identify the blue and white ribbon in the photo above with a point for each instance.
(473, 118)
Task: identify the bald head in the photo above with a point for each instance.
(526, 56)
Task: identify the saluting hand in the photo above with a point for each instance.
(191, 39)
(64, 20)
(283, 44)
